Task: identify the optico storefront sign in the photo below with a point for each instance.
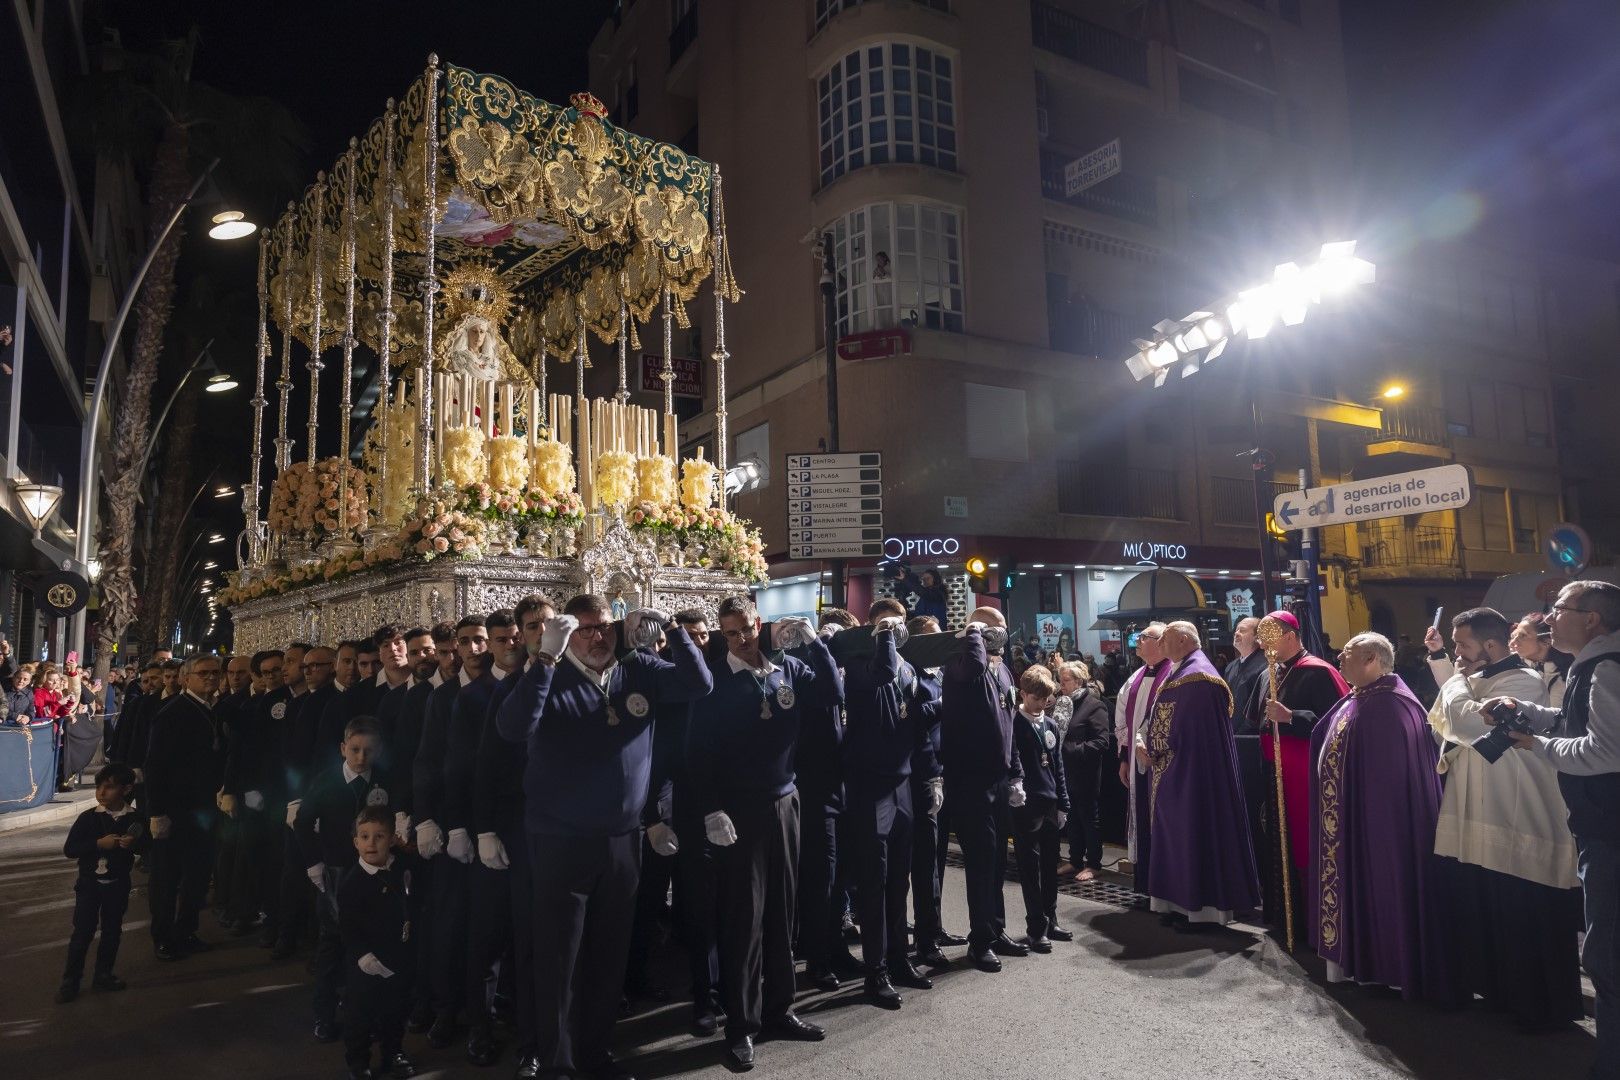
(916, 547)
(1152, 553)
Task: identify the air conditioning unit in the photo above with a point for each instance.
(1043, 127)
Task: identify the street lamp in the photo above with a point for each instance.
(38, 502)
(1200, 336)
(92, 424)
(1393, 392)
(218, 381)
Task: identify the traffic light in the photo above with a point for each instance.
(1009, 576)
(978, 574)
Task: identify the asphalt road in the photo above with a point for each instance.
(1126, 999)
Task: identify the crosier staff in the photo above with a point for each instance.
(1269, 634)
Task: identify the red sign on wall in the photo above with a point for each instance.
(874, 344)
(688, 375)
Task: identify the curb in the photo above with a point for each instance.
(62, 807)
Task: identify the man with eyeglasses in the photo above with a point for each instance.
(1131, 710)
(1581, 740)
(586, 716)
(184, 768)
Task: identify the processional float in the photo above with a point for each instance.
(474, 233)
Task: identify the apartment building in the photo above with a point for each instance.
(987, 304)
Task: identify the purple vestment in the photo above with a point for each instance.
(1373, 896)
(1202, 857)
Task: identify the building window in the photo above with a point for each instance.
(1485, 521)
(899, 264)
(887, 103)
(826, 9)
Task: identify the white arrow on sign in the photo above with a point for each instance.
(1447, 487)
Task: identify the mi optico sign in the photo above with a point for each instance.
(916, 547)
(1151, 553)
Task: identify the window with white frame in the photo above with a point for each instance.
(893, 102)
(899, 264)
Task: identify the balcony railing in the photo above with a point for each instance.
(1102, 490)
(1412, 423)
(1391, 545)
(1088, 330)
(684, 33)
(1109, 51)
(1132, 198)
(1232, 499)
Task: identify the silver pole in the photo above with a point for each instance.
(430, 284)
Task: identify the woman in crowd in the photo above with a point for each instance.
(1532, 640)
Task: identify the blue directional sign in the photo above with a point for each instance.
(1568, 547)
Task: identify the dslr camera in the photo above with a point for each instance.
(1498, 741)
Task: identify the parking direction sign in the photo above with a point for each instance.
(834, 505)
(1447, 487)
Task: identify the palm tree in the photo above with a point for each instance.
(145, 107)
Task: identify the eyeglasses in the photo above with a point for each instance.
(1565, 609)
(599, 630)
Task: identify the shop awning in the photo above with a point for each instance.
(1160, 595)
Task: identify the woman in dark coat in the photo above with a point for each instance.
(1085, 748)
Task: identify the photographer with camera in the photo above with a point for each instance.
(1584, 748)
(1507, 851)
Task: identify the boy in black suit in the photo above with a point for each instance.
(332, 801)
(1038, 823)
(103, 839)
(374, 920)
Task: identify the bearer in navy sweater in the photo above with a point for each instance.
(104, 841)
(927, 803)
(1038, 824)
(374, 920)
(984, 777)
(482, 886)
(884, 701)
(502, 898)
(324, 829)
(741, 746)
(587, 722)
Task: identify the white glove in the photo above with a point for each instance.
(429, 840)
(373, 966)
(317, 874)
(140, 776)
(970, 626)
(791, 632)
(1015, 794)
(159, 828)
(402, 824)
(662, 838)
(1062, 820)
(936, 795)
(460, 846)
(292, 811)
(491, 852)
(643, 625)
(826, 632)
(890, 623)
(559, 628)
(254, 800)
(718, 826)
(666, 805)
(226, 803)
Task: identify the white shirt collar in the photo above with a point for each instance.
(761, 672)
(373, 870)
(499, 672)
(382, 677)
(349, 774)
(601, 680)
(199, 700)
(115, 814)
(1031, 719)
(465, 678)
(437, 680)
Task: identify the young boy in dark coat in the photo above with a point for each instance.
(104, 840)
(333, 799)
(374, 921)
(1038, 824)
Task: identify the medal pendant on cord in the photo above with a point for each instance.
(764, 708)
(612, 715)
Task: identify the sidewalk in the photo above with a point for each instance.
(65, 806)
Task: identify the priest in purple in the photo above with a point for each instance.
(1372, 897)
(1202, 870)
